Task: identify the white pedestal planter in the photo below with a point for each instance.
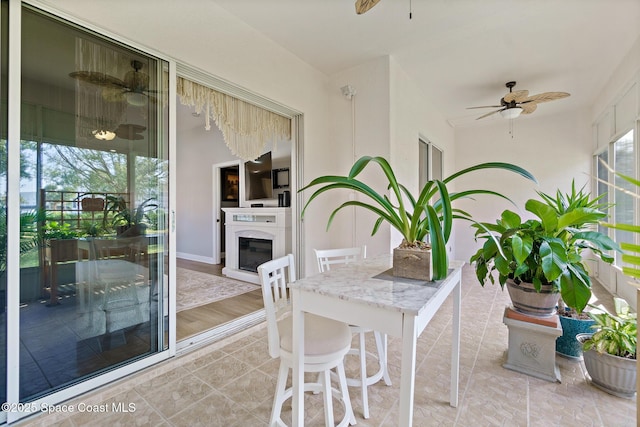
(532, 345)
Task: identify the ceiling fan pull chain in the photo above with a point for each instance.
(410, 9)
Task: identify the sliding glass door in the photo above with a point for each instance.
(93, 206)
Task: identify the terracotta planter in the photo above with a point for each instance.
(526, 299)
(412, 263)
(613, 374)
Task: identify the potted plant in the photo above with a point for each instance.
(62, 239)
(610, 352)
(425, 221)
(572, 321)
(542, 257)
(92, 229)
(127, 221)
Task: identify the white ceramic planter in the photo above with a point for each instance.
(613, 374)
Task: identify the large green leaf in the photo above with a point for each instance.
(493, 165)
(438, 246)
(597, 239)
(510, 219)
(446, 213)
(574, 291)
(579, 217)
(554, 259)
(546, 213)
(522, 247)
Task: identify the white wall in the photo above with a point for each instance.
(623, 75)
(555, 149)
(197, 150)
(369, 111)
(390, 115)
(412, 117)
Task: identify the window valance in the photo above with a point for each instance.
(246, 128)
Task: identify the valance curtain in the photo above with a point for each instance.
(246, 128)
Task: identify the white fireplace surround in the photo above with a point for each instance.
(259, 223)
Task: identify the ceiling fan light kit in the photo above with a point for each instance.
(103, 98)
(511, 113)
(518, 102)
(104, 135)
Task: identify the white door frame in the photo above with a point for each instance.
(217, 259)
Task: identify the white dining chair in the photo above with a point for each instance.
(326, 342)
(331, 257)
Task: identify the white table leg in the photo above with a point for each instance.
(407, 376)
(297, 404)
(455, 344)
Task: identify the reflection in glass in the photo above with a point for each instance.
(624, 163)
(602, 187)
(94, 180)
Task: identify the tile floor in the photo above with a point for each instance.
(231, 383)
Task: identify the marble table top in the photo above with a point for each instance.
(371, 282)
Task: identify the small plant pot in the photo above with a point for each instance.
(567, 345)
(412, 263)
(527, 300)
(612, 374)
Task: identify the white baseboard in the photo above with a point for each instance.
(192, 257)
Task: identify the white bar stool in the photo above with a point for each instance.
(326, 342)
(326, 258)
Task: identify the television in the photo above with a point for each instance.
(257, 178)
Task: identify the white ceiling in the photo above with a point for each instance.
(461, 52)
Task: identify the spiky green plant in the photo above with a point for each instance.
(420, 220)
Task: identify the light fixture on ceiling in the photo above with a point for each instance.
(511, 113)
(137, 99)
(103, 135)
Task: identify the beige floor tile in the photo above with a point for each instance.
(232, 383)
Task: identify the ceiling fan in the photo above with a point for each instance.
(363, 6)
(519, 102)
(134, 88)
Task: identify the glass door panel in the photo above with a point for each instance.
(3, 200)
(624, 208)
(94, 197)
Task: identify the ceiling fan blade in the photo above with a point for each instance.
(485, 106)
(363, 6)
(488, 114)
(528, 107)
(516, 95)
(130, 131)
(97, 78)
(545, 97)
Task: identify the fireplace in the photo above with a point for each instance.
(253, 252)
(254, 236)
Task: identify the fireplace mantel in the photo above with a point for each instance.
(261, 223)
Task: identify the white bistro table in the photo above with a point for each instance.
(365, 293)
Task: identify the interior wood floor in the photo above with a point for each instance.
(206, 317)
